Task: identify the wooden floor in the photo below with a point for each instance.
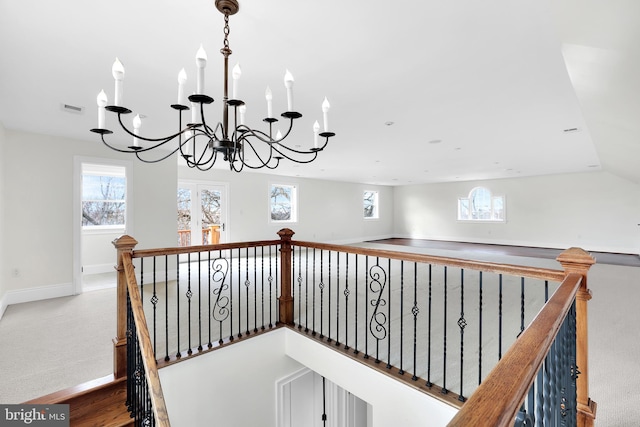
(547, 253)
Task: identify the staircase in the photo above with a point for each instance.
(97, 403)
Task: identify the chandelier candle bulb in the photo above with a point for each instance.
(325, 113)
(201, 62)
(237, 72)
(118, 74)
(102, 102)
(269, 97)
(316, 132)
(137, 122)
(194, 113)
(288, 83)
(182, 79)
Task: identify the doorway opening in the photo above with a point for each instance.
(202, 212)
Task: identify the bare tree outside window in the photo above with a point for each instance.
(103, 200)
(370, 202)
(283, 202)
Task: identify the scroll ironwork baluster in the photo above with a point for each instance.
(378, 320)
(221, 310)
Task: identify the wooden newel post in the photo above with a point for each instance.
(285, 298)
(123, 244)
(576, 260)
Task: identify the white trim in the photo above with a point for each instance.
(98, 268)
(38, 293)
(283, 401)
(77, 217)
(3, 305)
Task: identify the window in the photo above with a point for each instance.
(103, 196)
(481, 205)
(283, 203)
(370, 199)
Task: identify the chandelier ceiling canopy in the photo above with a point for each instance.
(202, 143)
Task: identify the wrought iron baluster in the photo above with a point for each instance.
(321, 286)
(429, 312)
(221, 311)
(200, 301)
(415, 310)
(480, 327)
(462, 323)
(166, 307)
(262, 270)
(255, 288)
(444, 337)
(366, 305)
(306, 291)
(178, 354)
(247, 285)
(346, 302)
(270, 290)
(500, 316)
(389, 316)
(189, 294)
(401, 371)
(378, 320)
(338, 298)
(521, 305)
(329, 298)
(313, 299)
(355, 326)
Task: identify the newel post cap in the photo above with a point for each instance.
(286, 234)
(576, 258)
(125, 242)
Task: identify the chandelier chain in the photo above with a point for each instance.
(226, 31)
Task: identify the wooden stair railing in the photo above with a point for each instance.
(146, 349)
(499, 397)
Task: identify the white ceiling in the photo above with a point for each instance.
(475, 90)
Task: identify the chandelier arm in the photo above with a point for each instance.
(162, 140)
(255, 152)
(315, 155)
(137, 153)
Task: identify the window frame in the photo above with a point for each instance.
(494, 199)
(376, 205)
(293, 216)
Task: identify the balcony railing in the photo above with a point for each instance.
(438, 324)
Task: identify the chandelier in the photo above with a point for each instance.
(198, 142)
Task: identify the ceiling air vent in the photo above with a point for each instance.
(72, 108)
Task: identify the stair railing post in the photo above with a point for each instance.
(286, 298)
(122, 244)
(576, 260)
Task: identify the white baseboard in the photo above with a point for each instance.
(97, 268)
(35, 294)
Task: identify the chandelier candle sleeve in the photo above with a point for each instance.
(118, 74)
(243, 111)
(102, 102)
(201, 62)
(137, 122)
(288, 83)
(237, 72)
(182, 79)
(316, 132)
(325, 114)
(269, 97)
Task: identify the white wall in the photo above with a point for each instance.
(3, 180)
(232, 386)
(39, 210)
(329, 211)
(595, 211)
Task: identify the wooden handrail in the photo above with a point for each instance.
(148, 360)
(200, 248)
(516, 270)
(498, 398)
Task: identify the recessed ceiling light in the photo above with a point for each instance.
(570, 130)
(389, 123)
(435, 141)
(593, 166)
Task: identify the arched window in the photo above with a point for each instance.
(481, 205)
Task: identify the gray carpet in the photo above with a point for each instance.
(38, 354)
